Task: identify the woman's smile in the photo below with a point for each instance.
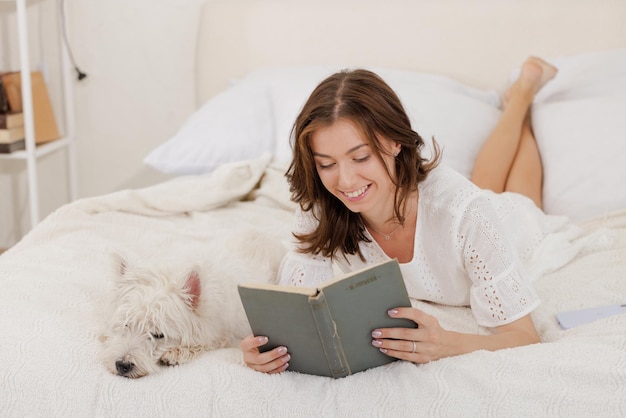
(357, 194)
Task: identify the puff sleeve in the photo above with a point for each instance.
(500, 291)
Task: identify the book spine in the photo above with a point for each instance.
(4, 102)
(331, 341)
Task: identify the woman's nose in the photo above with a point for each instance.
(346, 176)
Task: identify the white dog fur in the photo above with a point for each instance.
(167, 310)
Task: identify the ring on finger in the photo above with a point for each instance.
(414, 347)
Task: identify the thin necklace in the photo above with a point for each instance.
(387, 236)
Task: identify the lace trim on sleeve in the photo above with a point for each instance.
(500, 292)
(503, 301)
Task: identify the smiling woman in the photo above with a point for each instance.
(351, 170)
(355, 121)
(367, 194)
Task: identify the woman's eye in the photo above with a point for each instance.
(362, 159)
(325, 166)
(157, 336)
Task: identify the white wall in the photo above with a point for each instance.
(139, 57)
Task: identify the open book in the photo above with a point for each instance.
(327, 330)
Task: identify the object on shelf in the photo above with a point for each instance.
(11, 126)
(9, 147)
(4, 103)
(10, 120)
(11, 134)
(46, 128)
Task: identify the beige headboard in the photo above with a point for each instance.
(475, 41)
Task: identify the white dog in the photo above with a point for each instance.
(167, 311)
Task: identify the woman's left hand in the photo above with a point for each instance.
(431, 342)
(426, 343)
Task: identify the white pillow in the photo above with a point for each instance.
(579, 121)
(460, 117)
(288, 93)
(234, 125)
(257, 113)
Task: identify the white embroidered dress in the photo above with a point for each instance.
(472, 248)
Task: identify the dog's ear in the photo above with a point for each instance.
(193, 286)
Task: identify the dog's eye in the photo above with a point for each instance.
(157, 336)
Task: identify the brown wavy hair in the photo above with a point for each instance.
(363, 98)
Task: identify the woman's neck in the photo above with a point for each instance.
(389, 225)
(401, 243)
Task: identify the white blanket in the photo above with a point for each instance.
(50, 283)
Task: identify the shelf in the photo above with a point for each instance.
(32, 152)
(40, 150)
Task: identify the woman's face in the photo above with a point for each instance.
(350, 170)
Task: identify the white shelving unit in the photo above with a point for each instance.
(34, 152)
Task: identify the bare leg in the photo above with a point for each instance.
(497, 154)
(526, 174)
(497, 160)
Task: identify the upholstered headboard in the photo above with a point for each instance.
(477, 42)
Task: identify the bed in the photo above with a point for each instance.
(228, 161)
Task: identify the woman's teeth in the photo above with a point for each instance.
(357, 192)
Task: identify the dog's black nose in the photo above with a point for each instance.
(124, 367)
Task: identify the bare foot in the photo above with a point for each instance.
(534, 74)
(538, 71)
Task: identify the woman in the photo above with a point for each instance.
(366, 194)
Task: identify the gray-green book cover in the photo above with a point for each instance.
(327, 330)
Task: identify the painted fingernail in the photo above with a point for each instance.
(262, 340)
(383, 350)
(377, 334)
(377, 343)
(282, 350)
(392, 312)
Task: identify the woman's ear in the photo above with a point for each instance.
(389, 146)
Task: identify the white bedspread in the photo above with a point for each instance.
(50, 283)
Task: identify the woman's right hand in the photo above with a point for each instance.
(273, 361)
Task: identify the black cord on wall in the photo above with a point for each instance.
(79, 74)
